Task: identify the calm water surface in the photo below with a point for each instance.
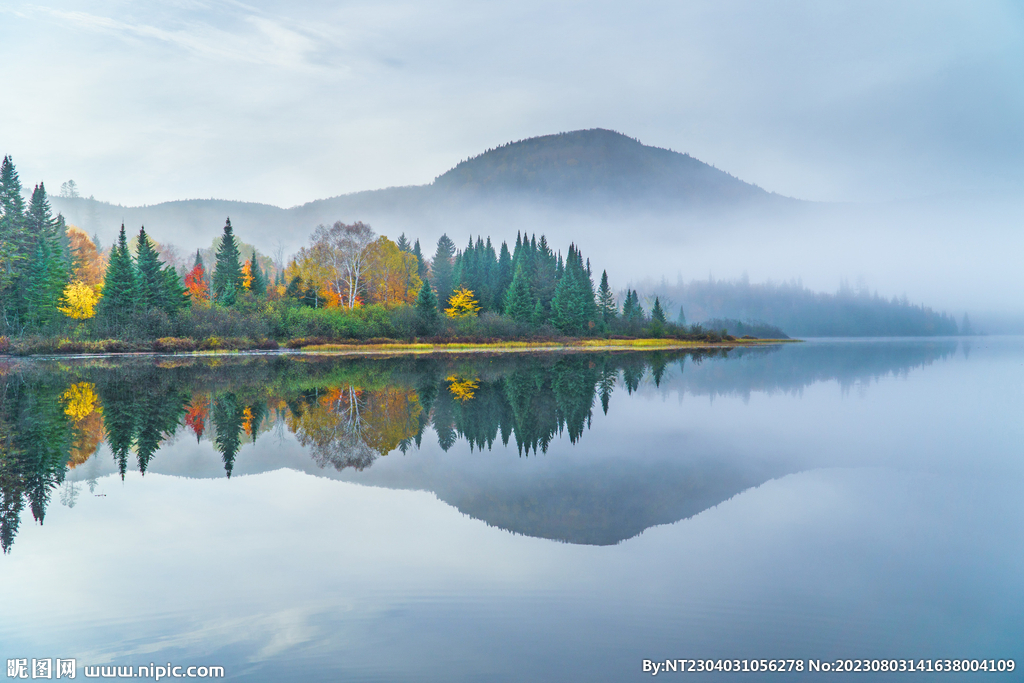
(516, 518)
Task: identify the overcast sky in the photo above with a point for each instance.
(285, 102)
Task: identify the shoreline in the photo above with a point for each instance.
(585, 345)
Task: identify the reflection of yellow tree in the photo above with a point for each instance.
(80, 400)
(81, 406)
(392, 414)
(462, 389)
(349, 426)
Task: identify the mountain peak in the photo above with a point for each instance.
(596, 163)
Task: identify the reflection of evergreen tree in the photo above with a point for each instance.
(533, 407)
(478, 419)
(426, 392)
(35, 442)
(158, 418)
(658, 363)
(444, 420)
(632, 372)
(227, 418)
(120, 417)
(573, 381)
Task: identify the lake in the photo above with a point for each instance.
(517, 517)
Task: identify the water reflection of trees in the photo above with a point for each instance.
(347, 413)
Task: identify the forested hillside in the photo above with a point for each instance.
(801, 312)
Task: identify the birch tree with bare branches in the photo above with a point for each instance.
(342, 250)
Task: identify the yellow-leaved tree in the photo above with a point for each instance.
(462, 304)
(391, 274)
(79, 301)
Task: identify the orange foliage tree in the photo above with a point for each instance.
(90, 265)
(247, 275)
(197, 284)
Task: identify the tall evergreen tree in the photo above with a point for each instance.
(149, 281)
(421, 264)
(227, 278)
(442, 268)
(426, 300)
(117, 305)
(403, 244)
(519, 302)
(606, 304)
(258, 287)
(45, 283)
(14, 243)
(657, 314)
(573, 309)
(426, 308)
(503, 278)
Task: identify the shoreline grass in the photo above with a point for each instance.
(519, 346)
(183, 347)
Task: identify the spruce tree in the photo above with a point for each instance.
(638, 314)
(519, 303)
(426, 308)
(426, 301)
(657, 314)
(421, 264)
(227, 278)
(119, 291)
(149, 281)
(573, 310)
(606, 300)
(503, 278)
(259, 280)
(44, 287)
(175, 296)
(403, 244)
(442, 267)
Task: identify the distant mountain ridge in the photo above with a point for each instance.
(595, 163)
(581, 172)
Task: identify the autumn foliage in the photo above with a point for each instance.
(197, 284)
(79, 301)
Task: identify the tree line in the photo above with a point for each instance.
(58, 283)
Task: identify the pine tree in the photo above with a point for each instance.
(119, 291)
(503, 278)
(38, 292)
(426, 301)
(657, 314)
(259, 280)
(638, 311)
(175, 295)
(421, 264)
(403, 244)
(573, 309)
(426, 309)
(44, 286)
(227, 278)
(606, 301)
(149, 281)
(519, 303)
(442, 268)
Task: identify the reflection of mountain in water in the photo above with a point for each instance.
(346, 413)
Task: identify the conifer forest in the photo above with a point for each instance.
(63, 291)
